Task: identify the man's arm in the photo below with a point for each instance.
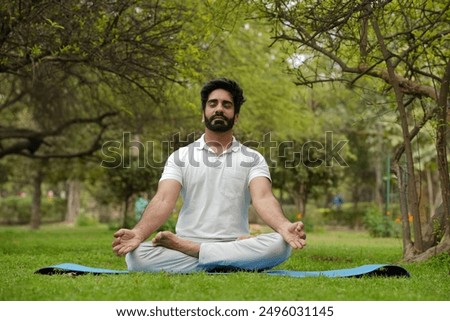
(269, 209)
(159, 209)
(156, 213)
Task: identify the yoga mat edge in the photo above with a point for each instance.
(385, 270)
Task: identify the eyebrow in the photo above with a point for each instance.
(216, 100)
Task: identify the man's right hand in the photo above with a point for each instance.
(294, 234)
(125, 241)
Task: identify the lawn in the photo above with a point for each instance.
(23, 251)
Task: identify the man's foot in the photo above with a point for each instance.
(171, 241)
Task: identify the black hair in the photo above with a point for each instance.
(227, 84)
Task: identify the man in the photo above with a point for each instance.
(217, 178)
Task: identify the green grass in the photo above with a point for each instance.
(23, 251)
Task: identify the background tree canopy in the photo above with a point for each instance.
(343, 98)
(71, 65)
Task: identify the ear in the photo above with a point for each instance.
(236, 118)
(203, 117)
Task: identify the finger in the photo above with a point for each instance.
(119, 233)
(117, 241)
(157, 237)
(300, 226)
(126, 249)
(116, 250)
(299, 232)
(122, 250)
(294, 244)
(298, 244)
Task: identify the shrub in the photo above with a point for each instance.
(17, 209)
(346, 215)
(379, 225)
(84, 220)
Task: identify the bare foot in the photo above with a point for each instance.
(171, 241)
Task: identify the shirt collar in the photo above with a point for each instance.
(235, 145)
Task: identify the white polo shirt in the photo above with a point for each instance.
(215, 189)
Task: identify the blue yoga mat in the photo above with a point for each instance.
(386, 270)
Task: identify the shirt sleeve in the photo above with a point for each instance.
(172, 169)
(259, 168)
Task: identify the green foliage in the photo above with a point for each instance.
(347, 215)
(380, 225)
(17, 209)
(355, 43)
(84, 220)
(84, 63)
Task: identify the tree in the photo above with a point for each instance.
(403, 48)
(65, 63)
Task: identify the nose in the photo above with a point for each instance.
(220, 105)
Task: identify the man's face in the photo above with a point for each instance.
(219, 113)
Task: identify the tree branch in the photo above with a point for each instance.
(30, 140)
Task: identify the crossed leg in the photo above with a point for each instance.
(168, 252)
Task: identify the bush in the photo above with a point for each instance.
(346, 215)
(84, 220)
(17, 209)
(379, 225)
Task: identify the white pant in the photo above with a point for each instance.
(257, 253)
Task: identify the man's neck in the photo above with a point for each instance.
(217, 141)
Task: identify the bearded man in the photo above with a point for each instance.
(218, 178)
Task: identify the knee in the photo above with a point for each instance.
(139, 259)
(281, 247)
(276, 246)
(277, 250)
(133, 262)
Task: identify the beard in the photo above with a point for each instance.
(219, 123)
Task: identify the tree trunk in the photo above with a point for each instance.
(126, 221)
(379, 185)
(73, 201)
(441, 146)
(433, 251)
(302, 197)
(408, 248)
(430, 192)
(413, 198)
(38, 175)
(378, 166)
(442, 219)
(435, 229)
